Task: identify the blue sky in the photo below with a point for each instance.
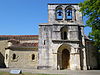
(22, 17)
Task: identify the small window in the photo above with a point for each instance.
(14, 56)
(33, 56)
(64, 33)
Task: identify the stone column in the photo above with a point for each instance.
(84, 59)
(77, 59)
(64, 14)
(83, 49)
(73, 15)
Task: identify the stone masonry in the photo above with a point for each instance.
(61, 40)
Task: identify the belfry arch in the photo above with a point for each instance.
(63, 57)
(59, 13)
(70, 13)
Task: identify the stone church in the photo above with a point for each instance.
(61, 43)
(19, 51)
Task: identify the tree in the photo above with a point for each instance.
(91, 9)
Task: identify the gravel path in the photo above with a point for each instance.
(65, 72)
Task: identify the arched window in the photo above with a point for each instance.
(14, 56)
(64, 31)
(70, 13)
(33, 56)
(65, 35)
(59, 13)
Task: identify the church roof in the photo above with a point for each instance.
(25, 46)
(19, 37)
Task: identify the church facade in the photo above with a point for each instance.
(61, 43)
(62, 39)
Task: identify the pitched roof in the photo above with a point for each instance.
(31, 46)
(19, 37)
(26, 45)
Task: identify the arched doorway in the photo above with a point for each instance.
(63, 57)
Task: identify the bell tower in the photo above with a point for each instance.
(62, 35)
(64, 13)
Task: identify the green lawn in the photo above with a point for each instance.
(6, 73)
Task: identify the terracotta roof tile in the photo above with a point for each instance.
(19, 37)
(26, 45)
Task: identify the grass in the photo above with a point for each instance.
(7, 73)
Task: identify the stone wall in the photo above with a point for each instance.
(3, 45)
(91, 54)
(51, 35)
(23, 59)
(24, 55)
